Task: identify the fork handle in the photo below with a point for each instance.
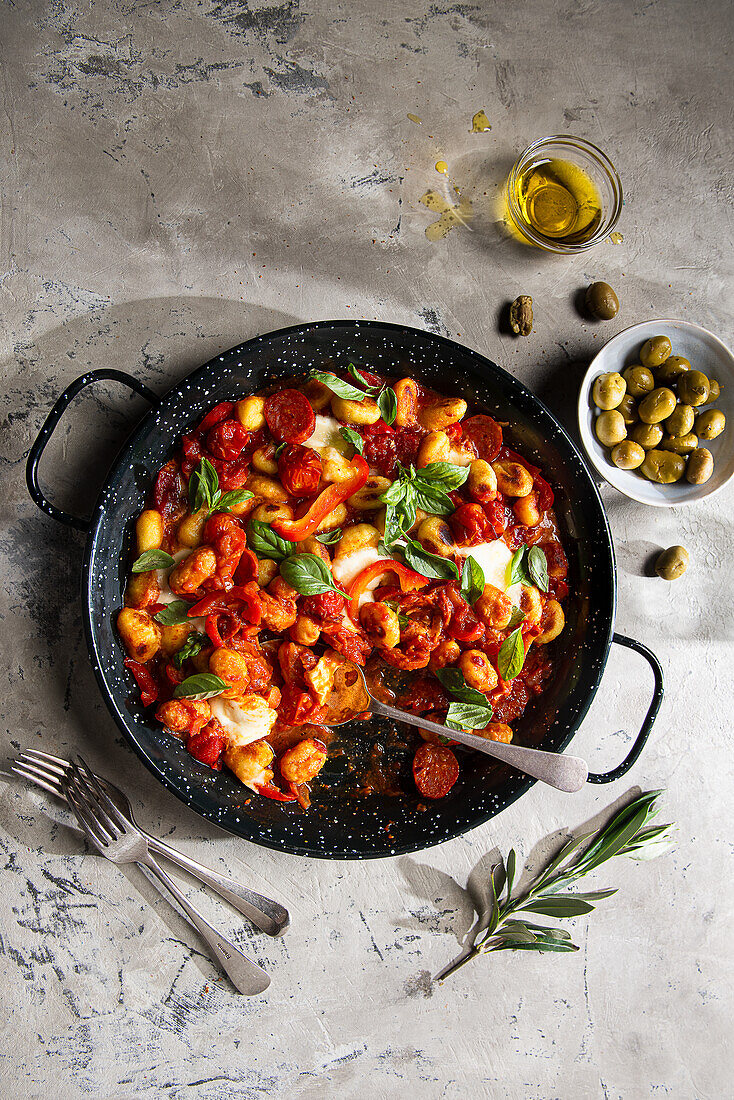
(267, 915)
(246, 975)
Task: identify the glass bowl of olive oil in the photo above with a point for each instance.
(564, 194)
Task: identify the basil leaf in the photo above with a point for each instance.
(511, 656)
(518, 569)
(403, 621)
(432, 499)
(228, 500)
(387, 403)
(203, 486)
(279, 449)
(359, 377)
(152, 559)
(454, 682)
(353, 438)
(338, 386)
(204, 685)
(429, 565)
(395, 493)
(329, 537)
(516, 618)
(193, 645)
(538, 568)
(263, 541)
(445, 474)
(309, 575)
(468, 716)
(173, 614)
(399, 518)
(472, 580)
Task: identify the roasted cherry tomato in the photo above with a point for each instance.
(299, 469)
(207, 744)
(289, 416)
(227, 440)
(146, 683)
(471, 526)
(435, 770)
(219, 412)
(327, 607)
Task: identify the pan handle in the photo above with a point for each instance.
(642, 736)
(49, 426)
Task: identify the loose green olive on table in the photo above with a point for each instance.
(672, 563)
(601, 301)
(650, 416)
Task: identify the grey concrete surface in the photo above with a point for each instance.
(178, 176)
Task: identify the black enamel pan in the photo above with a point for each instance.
(344, 822)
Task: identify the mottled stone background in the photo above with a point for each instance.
(179, 176)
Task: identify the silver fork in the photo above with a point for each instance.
(269, 916)
(116, 837)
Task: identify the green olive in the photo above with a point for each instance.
(602, 302)
(693, 387)
(628, 455)
(640, 380)
(647, 435)
(700, 466)
(680, 422)
(655, 351)
(657, 406)
(710, 424)
(610, 428)
(672, 563)
(714, 390)
(628, 408)
(608, 391)
(671, 370)
(681, 444)
(663, 466)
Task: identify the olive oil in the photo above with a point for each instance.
(558, 200)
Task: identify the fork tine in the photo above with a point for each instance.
(47, 758)
(76, 782)
(86, 821)
(103, 797)
(48, 770)
(34, 777)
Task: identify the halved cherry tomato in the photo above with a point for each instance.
(207, 745)
(145, 681)
(326, 607)
(354, 645)
(226, 440)
(435, 770)
(470, 525)
(289, 416)
(299, 469)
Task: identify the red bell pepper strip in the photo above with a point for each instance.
(269, 790)
(298, 529)
(409, 580)
(146, 683)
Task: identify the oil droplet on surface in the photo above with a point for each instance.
(616, 238)
(416, 119)
(442, 167)
(480, 123)
(450, 216)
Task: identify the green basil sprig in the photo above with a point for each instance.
(342, 389)
(263, 541)
(472, 581)
(193, 645)
(308, 574)
(203, 685)
(472, 709)
(174, 613)
(529, 566)
(353, 438)
(152, 559)
(204, 491)
(511, 657)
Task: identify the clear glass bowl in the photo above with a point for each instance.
(593, 162)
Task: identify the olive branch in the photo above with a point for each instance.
(627, 834)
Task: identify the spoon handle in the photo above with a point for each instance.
(565, 773)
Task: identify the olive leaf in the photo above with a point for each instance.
(263, 541)
(353, 438)
(152, 559)
(511, 656)
(308, 574)
(338, 386)
(628, 833)
(174, 613)
(193, 645)
(472, 580)
(203, 685)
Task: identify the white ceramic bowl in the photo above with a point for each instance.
(706, 353)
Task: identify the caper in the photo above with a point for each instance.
(647, 435)
(693, 387)
(663, 466)
(714, 390)
(628, 408)
(610, 428)
(657, 406)
(700, 466)
(671, 370)
(710, 424)
(655, 351)
(681, 444)
(628, 455)
(640, 380)
(608, 391)
(602, 302)
(680, 420)
(672, 563)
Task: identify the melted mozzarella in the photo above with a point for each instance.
(166, 595)
(327, 434)
(494, 559)
(347, 567)
(460, 458)
(245, 719)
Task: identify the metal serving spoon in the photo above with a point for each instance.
(565, 773)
